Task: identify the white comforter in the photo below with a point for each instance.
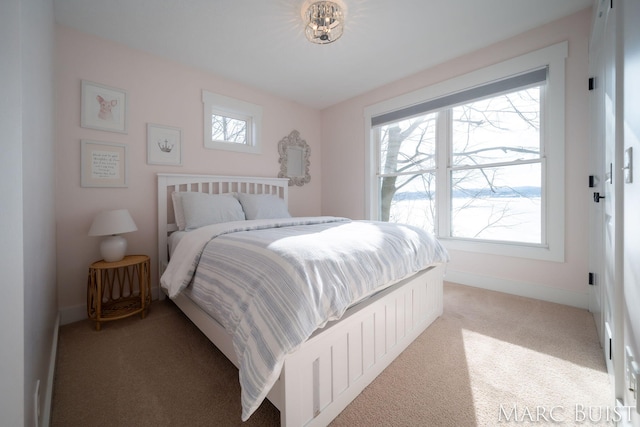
(271, 283)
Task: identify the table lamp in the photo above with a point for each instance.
(112, 223)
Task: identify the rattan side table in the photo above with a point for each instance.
(120, 289)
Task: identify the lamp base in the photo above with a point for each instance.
(113, 248)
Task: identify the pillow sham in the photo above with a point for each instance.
(202, 209)
(263, 206)
(178, 211)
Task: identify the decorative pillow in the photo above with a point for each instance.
(263, 206)
(202, 209)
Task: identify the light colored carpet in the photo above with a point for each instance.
(491, 359)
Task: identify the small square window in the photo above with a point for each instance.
(231, 124)
(228, 129)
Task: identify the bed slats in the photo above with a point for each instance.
(333, 367)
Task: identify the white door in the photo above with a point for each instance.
(606, 211)
(631, 182)
(596, 170)
(613, 208)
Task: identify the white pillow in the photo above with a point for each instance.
(202, 209)
(263, 206)
(178, 211)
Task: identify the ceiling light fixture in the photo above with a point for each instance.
(324, 22)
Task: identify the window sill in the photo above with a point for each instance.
(227, 146)
(519, 250)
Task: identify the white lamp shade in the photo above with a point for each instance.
(112, 222)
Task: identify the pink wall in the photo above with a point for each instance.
(167, 93)
(344, 143)
(161, 92)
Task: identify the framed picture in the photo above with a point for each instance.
(164, 145)
(103, 164)
(103, 107)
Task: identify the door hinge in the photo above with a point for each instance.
(592, 83)
(592, 279)
(597, 197)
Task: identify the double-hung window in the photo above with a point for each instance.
(477, 160)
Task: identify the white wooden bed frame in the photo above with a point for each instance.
(338, 361)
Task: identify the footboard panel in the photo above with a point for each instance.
(327, 373)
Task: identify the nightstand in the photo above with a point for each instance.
(120, 289)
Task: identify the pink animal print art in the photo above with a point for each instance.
(105, 108)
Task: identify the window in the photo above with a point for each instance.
(232, 130)
(231, 124)
(469, 159)
(495, 172)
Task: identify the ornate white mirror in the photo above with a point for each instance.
(294, 159)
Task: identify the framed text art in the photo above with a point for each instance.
(103, 164)
(164, 145)
(103, 107)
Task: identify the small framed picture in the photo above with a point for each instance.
(164, 145)
(103, 107)
(103, 164)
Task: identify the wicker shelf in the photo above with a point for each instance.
(116, 290)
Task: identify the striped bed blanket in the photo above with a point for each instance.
(272, 283)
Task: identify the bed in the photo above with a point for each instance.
(318, 378)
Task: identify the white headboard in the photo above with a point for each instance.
(211, 184)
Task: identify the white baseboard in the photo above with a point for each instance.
(48, 396)
(524, 289)
(79, 312)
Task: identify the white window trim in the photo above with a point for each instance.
(552, 150)
(223, 105)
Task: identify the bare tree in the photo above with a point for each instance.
(399, 162)
(409, 151)
(228, 129)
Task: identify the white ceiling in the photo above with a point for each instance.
(261, 43)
